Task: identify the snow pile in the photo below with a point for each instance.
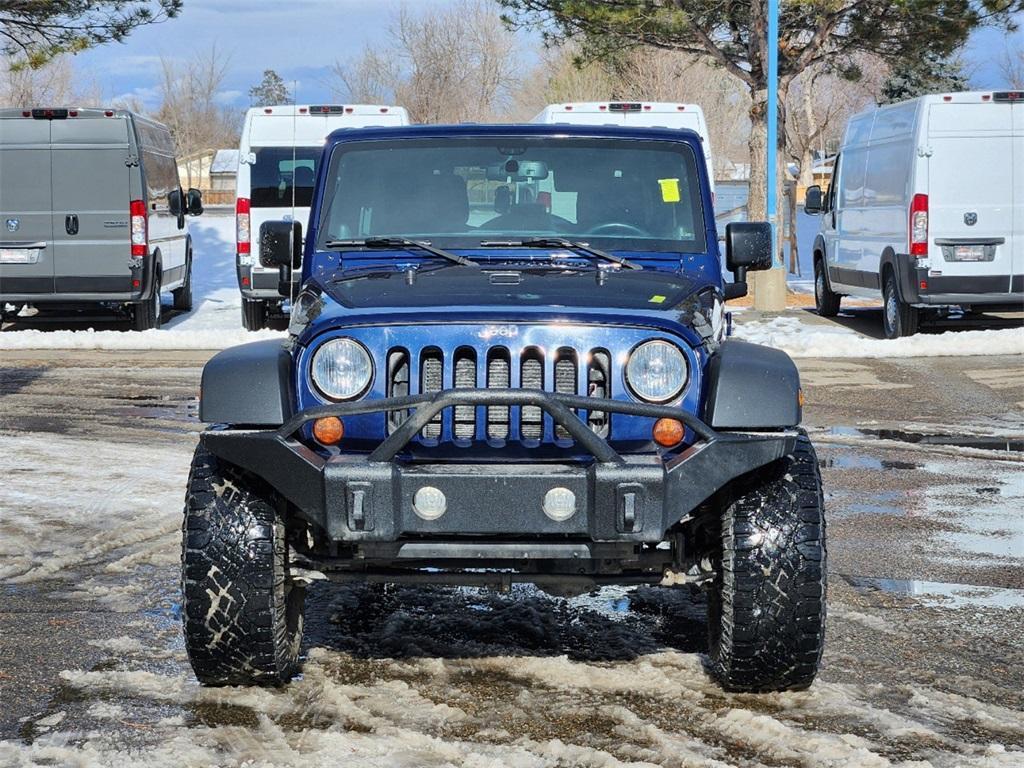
(215, 321)
(800, 339)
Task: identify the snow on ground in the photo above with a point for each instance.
(802, 339)
(214, 322)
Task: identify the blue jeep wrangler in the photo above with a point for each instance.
(507, 363)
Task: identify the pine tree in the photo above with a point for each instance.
(270, 91)
(33, 33)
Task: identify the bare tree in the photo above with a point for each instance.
(56, 83)
(189, 107)
(819, 104)
(1011, 64)
(451, 66)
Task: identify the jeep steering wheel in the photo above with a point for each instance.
(629, 228)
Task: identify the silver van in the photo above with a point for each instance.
(92, 213)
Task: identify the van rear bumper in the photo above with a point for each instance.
(65, 290)
(262, 285)
(918, 287)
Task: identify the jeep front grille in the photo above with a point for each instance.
(564, 370)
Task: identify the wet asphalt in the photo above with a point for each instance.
(924, 484)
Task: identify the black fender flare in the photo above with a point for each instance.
(248, 386)
(749, 386)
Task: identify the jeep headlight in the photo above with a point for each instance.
(657, 371)
(341, 369)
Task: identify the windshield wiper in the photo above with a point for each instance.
(403, 243)
(559, 242)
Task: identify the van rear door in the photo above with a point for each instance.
(91, 197)
(26, 235)
(971, 194)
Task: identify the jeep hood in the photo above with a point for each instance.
(454, 287)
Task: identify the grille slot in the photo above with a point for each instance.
(531, 376)
(599, 385)
(499, 372)
(464, 424)
(566, 373)
(398, 385)
(431, 380)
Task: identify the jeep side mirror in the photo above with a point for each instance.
(813, 200)
(175, 203)
(748, 245)
(281, 244)
(195, 202)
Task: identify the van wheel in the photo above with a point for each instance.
(242, 613)
(254, 314)
(183, 296)
(898, 318)
(766, 606)
(825, 302)
(147, 314)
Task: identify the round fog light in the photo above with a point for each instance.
(668, 432)
(429, 503)
(328, 430)
(559, 504)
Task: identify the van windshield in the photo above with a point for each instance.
(280, 170)
(459, 192)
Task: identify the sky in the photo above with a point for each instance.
(301, 39)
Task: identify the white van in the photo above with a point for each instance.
(277, 167)
(649, 114)
(926, 209)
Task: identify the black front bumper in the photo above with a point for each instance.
(369, 497)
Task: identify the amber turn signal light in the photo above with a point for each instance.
(328, 430)
(668, 432)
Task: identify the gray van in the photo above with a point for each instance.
(92, 213)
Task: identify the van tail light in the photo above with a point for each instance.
(243, 237)
(919, 226)
(140, 235)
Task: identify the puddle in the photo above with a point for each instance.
(875, 504)
(942, 594)
(980, 442)
(858, 461)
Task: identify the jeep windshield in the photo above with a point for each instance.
(473, 192)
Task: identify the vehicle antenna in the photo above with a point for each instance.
(291, 240)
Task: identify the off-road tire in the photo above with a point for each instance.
(766, 606)
(826, 303)
(899, 319)
(254, 314)
(242, 614)
(148, 314)
(183, 295)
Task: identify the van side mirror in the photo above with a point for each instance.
(195, 202)
(813, 200)
(281, 244)
(175, 203)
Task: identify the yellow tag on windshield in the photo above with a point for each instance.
(669, 190)
(656, 299)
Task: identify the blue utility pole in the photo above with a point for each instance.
(773, 126)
